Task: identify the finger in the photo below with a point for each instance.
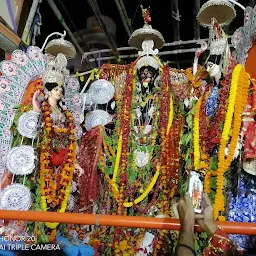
(181, 204)
(207, 200)
(187, 199)
(181, 201)
(199, 216)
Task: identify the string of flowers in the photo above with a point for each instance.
(196, 81)
(196, 135)
(165, 109)
(124, 148)
(214, 134)
(173, 154)
(146, 191)
(164, 119)
(240, 84)
(170, 119)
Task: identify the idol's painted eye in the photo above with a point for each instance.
(210, 64)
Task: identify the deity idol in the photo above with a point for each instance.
(38, 139)
(139, 154)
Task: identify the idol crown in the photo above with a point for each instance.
(56, 70)
(217, 46)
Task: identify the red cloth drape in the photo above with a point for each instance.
(89, 182)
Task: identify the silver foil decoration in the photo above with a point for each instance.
(146, 61)
(21, 160)
(101, 91)
(15, 197)
(71, 202)
(60, 45)
(56, 71)
(97, 117)
(28, 123)
(146, 33)
(222, 10)
(249, 166)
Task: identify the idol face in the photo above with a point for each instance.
(214, 71)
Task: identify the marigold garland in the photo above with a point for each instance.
(118, 156)
(231, 102)
(196, 135)
(240, 82)
(196, 82)
(170, 119)
(146, 191)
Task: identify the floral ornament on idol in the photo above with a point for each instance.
(236, 104)
(213, 136)
(200, 157)
(146, 15)
(212, 102)
(54, 197)
(196, 80)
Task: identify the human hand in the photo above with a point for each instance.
(206, 220)
(79, 169)
(186, 213)
(36, 105)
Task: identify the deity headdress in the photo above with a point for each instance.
(56, 70)
(59, 45)
(222, 10)
(217, 39)
(218, 45)
(147, 39)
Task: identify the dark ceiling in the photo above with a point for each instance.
(76, 12)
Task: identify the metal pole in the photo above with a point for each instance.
(126, 16)
(236, 3)
(159, 54)
(29, 22)
(132, 48)
(196, 24)
(120, 221)
(123, 17)
(61, 19)
(175, 19)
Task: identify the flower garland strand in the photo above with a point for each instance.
(240, 83)
(231, 102)
(196, 135)
(170, 119)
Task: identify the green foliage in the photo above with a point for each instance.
(201, 242)
(42, 238)
(189, 120)
(214, 163)
(132, 174)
